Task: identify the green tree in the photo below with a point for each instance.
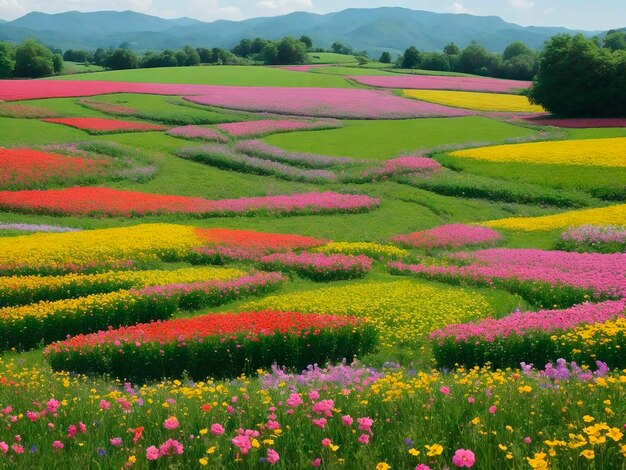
(57, 63)
(412, 58)
(7, 59)
(475, 59)
(436, 61)
(191, 56)
(615, 40)
(337, 47)
(307, 41)
(451, 49)
(385, 57)
(516, 49)
(291, 51)
(576, 77)
(33, 60)
(122, 59)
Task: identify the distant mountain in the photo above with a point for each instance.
(375, 30)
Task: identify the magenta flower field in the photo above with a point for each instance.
(428, 82)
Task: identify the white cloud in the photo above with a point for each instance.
(457, 7)
(229, 12)
(522, 4)
(284, 6)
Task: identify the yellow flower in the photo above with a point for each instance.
(210, 450)
(414, 452)
(333, 447)
(433, 450)
(588, 419)
(383, 466)
(132, 459)
(203, 461)
(615, 434)
(524, 389)
(588, 152)
(588, 454)
(203, 431)
(475, 100)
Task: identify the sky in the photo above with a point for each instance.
(575, 14)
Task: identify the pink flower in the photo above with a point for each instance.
(272, 425)
(4, 447)
(326, 442)
(324, 407)
(364, 439)
(171, 447)
(365, 424)
(272, 456)
(463, 458)
(347, 420)
(316, 462)
(104, 405)
(31, 415)
(82, 428)
(243, 442)
(320, 423)
(71, 431)
(422, 467)
(527, 440)
(314, 395)
(57, 445)
(170, 423)
(18, 449)
(445, 390)
(217, 429)
(294, 400)
(152, 453)
(471, 400)
(53, 405)
(116, 441)
(492, 409)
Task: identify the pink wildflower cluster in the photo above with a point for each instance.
(319, 266)
(270, 126)
(197, 132)
(432, 82)
(449, 236)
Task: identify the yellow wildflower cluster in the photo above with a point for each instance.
(373, 250)
(140, 242)
(25, 289)
(474, 100)
(612, 215)
(588, 338)
(589, 152)
(401, 310)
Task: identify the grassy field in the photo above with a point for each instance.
(219, 75)
(331, 58)
(71, 68)
(384, 139)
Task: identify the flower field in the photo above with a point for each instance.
(425, 82)
(25, 168)
(451, 294)
(390, 306)
(331, 103)
(270, 126)
(600, 216)
(99, 125)
(590, 152)
(477, 101)
(97, 201)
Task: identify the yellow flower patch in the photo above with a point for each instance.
(140, 243)
(401, 310)
(612, 215)
(588, 152)
(477, 101)
(373, 250)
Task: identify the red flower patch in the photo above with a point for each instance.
(99, 125)
(22, 168)
(257, 240)
(108, 201)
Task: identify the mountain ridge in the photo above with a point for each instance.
(371, 29)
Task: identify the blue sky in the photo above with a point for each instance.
(577, 14)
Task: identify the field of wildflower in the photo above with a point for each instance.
(260, 267)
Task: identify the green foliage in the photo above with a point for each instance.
(578, 78)
(451, 49)
(615, 40)
(436, 61)
(461, 184)
(33, 60)
(411, 59)
(7, 59)
(122, 59)
(385, 57)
